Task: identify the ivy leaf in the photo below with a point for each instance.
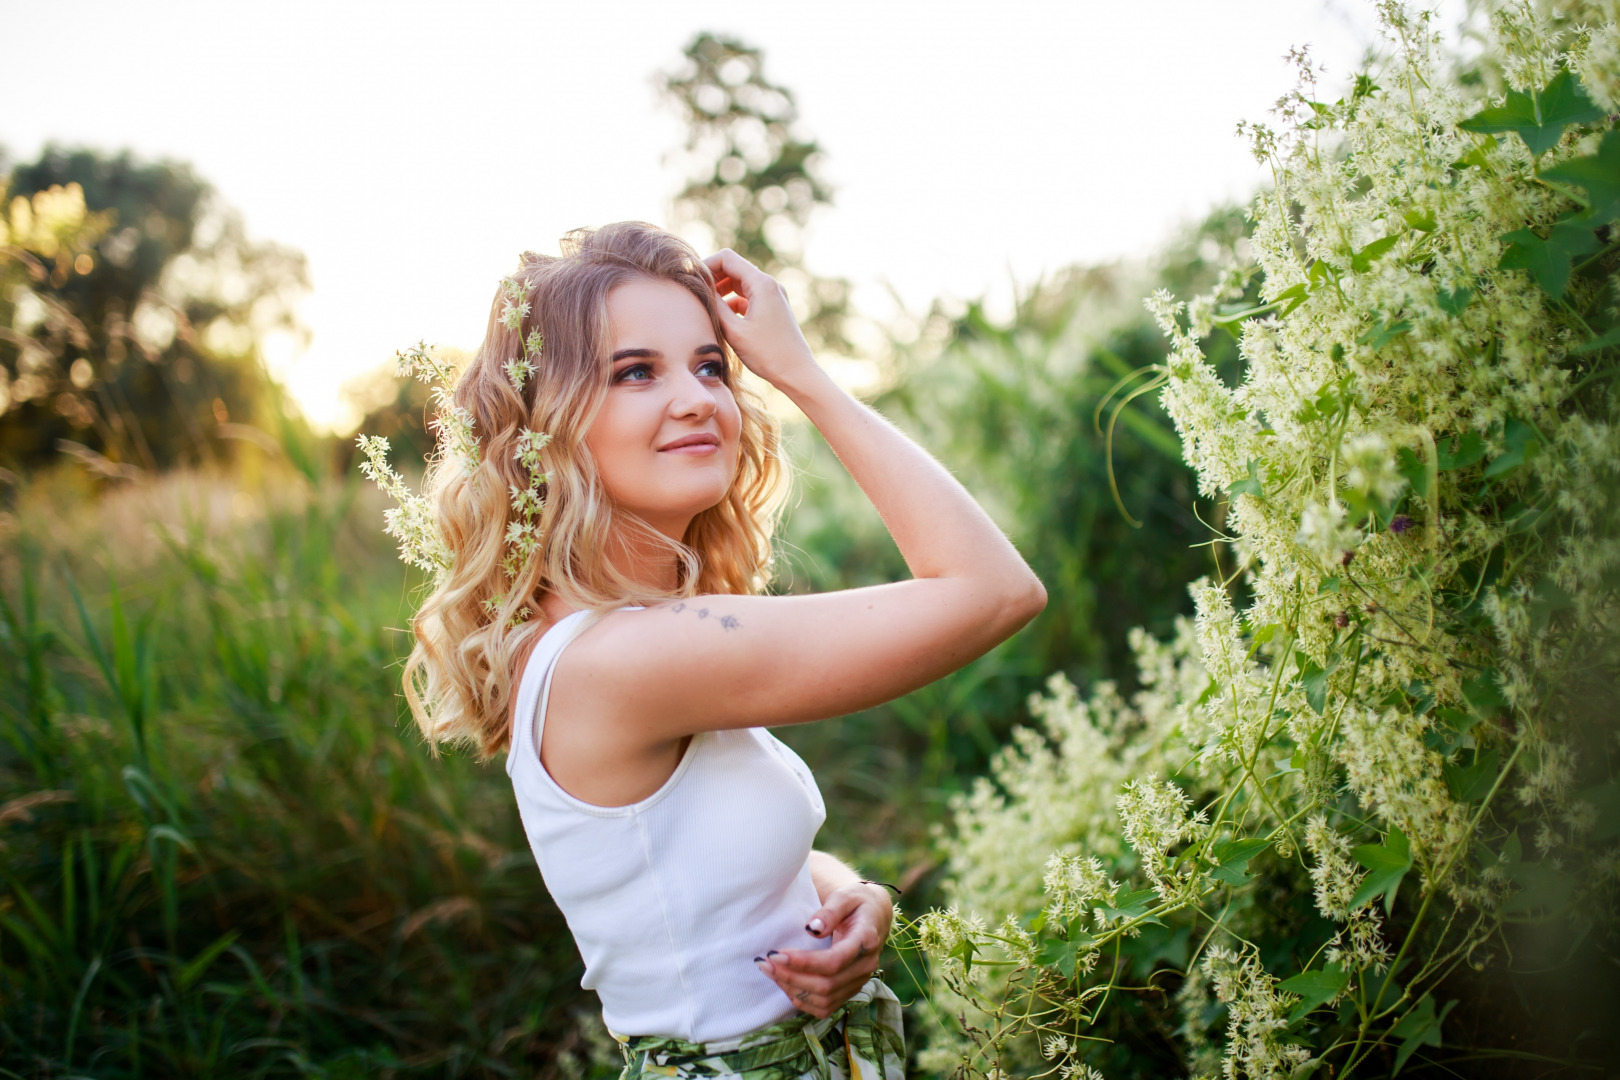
(1478, 157)
(1133, 905)
(1523, 441)
(1414, 469)
(1420, 1027)
(1232, 858)
(1483, 694)
(1599, 175)
(1064, 955)
(1315, 988)
(1250, 485)
(1420, 220)
(1459, 451)
(1454, 301)
(1542, 887)
(1605, 799)
(1607, 339)
(1314, 679)
(1472, 782)
(1383, 332)
(1538, 120)
(1361, 261)
(1548, 260)
(1445, 735)
(1386, 864)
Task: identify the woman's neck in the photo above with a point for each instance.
(642, 559)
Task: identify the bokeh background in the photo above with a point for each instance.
(225, 850)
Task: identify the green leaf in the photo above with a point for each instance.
(1315, 681)
(1315, 988)
(1420, 1027)
(1477, 158)
(1522, 442)
(1460, 451)
(1605, 800)
(1361, 261)
(1445, 735)
(1383, 332)
(1548, 260)
(1386, 864)
(1599, 175)
(1605, 340)
(1252, 485)
(1473, 781)
(1232, 858)
(1454, 301)
(1133, 905)
(1420, 220)
(1538, 120)
(1416, 471)
(964, 952)
(1542, 887)
(1064, 955)
(1484, 694)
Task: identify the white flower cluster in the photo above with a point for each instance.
(1421, 472)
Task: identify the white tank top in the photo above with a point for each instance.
(671, 898)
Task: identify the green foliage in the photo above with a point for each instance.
(135, 305)
(221, 853)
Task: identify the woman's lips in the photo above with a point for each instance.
(692, 444)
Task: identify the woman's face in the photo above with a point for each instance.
(665, 440)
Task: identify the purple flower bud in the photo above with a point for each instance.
(1342, 619)
(1347, 558)
(1399, 524)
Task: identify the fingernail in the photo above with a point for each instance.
(815, 926)
(776, 956)
(762, 964)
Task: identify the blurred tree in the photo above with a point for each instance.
(753, 177)
(134, 340)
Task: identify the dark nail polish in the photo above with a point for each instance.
(773, 954)
(759, 959)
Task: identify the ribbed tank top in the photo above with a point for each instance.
(670, 899)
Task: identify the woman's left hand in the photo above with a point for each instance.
(857, 917)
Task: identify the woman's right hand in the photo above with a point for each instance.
(759, 321)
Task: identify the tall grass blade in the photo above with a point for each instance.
(78, 1005)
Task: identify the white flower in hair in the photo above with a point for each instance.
(414, 522)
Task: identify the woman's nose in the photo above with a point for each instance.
(692, 398)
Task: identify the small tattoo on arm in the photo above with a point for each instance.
(727, 622)
(803, 996)
(860, 952)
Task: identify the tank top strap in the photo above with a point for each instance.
(535, 685)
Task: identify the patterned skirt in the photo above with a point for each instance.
(861, 1040)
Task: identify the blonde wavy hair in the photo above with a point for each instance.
(477, 620)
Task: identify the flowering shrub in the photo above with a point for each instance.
(1325, 811)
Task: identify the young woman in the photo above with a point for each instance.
(614, 640)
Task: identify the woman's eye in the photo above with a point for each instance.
(712, 369)
(634, 373)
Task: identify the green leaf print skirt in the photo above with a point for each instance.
(861, 1040)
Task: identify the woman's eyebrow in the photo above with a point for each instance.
(706, 350)
(638, 354)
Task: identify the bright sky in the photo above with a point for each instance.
(412, 150)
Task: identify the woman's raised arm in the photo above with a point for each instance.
(716, 662)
